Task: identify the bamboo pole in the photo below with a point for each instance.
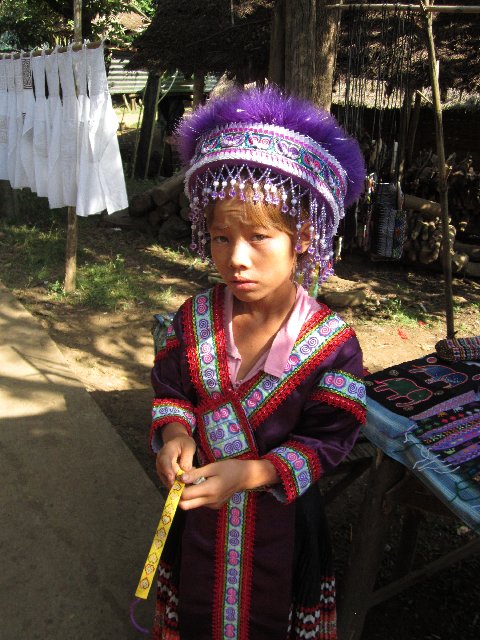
(442, 172)
(70, 281)
(406, 7)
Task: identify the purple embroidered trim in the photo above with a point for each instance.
(164, 411)
(274, 147)
(207, 356)
(237, 566)
(224, 434)
(344, 384)
(297, 466)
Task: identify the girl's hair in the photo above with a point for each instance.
(263, 214)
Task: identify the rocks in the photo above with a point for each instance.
(342, 299)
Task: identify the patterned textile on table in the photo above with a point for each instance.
(440, 444)
(455, 349)
(422, 387)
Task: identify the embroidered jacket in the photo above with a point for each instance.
(305, 422)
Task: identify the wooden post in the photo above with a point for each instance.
(149, 120)
(442, 172)
(198, 88)
(412, 128)
(70, 281)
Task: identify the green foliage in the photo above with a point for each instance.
(108, 285)
(29, 255)
(404, 315)
(26, 24)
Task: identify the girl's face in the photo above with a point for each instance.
(255, 261)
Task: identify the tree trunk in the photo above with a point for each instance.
(309, 49)
(325, 52)
(276, 67)
(300, 21)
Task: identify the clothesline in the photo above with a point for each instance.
(39, 52)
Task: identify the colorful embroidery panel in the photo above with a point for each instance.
(418, 386)
(223, 431)
(315, 343)
(170, 410)
(319, 622)
(344, 390)
(454, 437)
(236, 570)
(297, 466)
(205, 341)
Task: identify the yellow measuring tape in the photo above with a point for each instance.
(153, 558)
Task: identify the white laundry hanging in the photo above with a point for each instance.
(55, 182)
(20, 179)
(26, 139)
(3, 120)
(11, 121)
(103, 142)
(69, 130)
(41, 126)
(89, 195)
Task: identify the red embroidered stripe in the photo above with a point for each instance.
(163, 352)
(247, 565)
(219, 587)
(355, 408)
(283, 390)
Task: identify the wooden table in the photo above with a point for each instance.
(392, 483)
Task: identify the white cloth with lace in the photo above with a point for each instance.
(69, 129)
(55, 182)
(26, 138)
(3, 120)
(11, 121)
(41, 126)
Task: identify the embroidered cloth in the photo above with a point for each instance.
(416, 388)
(440, 445)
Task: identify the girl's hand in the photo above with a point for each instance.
(177, 453)
(222, 480)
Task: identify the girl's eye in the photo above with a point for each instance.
(259, 236)
(219, 239)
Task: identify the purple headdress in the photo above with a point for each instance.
(289, 151)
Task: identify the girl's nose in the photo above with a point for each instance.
(240, 255)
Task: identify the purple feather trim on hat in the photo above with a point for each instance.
(271, 106)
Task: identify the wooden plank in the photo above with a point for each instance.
(405, 7)
(392, 589)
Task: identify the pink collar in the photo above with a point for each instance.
(274, 360)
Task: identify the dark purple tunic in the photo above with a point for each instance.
(256, 568)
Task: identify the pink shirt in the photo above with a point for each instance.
(273, 361)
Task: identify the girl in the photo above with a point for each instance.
(257, 386)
